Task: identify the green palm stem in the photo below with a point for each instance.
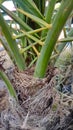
(12, 43)
(52, 36)
(7, 48)
(48, 15)
(8, 84)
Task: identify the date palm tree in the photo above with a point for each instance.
(39, 29)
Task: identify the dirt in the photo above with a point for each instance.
(40, 105)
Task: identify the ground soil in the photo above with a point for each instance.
(40, 105)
